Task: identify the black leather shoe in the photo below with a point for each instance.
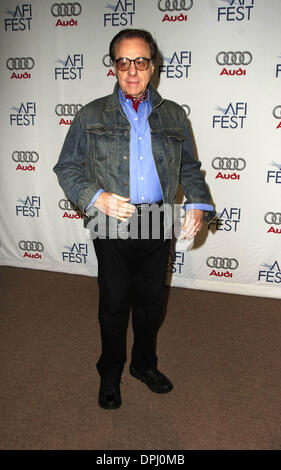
(109, 393)
(155, 380)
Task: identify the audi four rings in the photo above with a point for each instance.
(225, 163)
(20, 63)
(106, 60)
(175, 5)
(234, 58)
(66, 9)
(66, 205)
(277, 112)
(25, 156)
(223, 263)
(273, 218)
(67, 109)
(27, 245)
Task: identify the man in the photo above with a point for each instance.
(125, 153)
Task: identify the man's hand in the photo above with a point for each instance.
(114, 205)
(193, 223)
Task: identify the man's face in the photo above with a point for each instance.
(132, 81)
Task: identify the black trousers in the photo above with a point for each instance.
(131, 274)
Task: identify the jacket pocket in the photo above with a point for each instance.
(177, 134)
(101, 142)
(173, 140)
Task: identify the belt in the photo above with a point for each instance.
(144, 207)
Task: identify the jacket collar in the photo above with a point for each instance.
(113, 101)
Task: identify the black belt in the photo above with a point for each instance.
(143, 207)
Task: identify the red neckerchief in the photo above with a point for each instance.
(137, 101)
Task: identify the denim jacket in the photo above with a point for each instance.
(96, 152)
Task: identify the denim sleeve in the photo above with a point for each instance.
(192, 180)
(71, 168)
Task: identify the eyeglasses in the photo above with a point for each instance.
(141, 63)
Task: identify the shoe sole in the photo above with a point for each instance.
(142, 379)
(110, 407)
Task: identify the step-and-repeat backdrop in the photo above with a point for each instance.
(221, 60)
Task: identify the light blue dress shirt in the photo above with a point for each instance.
(144, 180)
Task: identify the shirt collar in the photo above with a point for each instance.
(135, 101)
(143, 97)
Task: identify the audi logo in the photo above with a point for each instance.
(20, 63)
(67, 109)
(175, 5)
(31, 245)
(66, 9)
(234, 58)
(186, 108)
(277, 112)
(223, 263)
(225, 163)
(106, 60)
(25, 156)
(66, 205)
(273, 218)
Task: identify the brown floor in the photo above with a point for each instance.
(222, 352)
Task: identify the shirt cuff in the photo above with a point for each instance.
(202, 207)
(94, 198)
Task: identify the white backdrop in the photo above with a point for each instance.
(221, 61)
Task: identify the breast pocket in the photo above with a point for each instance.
(102, 142)
(174, 139)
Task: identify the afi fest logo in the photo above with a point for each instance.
(274, 220)
(227, 220)
(25, 160)
(19, 19)
(178, 8)
(274, 176)
(25, 114)
(122, 14)
(175, 262)
(237, 10)
(237, 59)
(77, 253)
(71, 68)
(70, 210)
(277, 114)
(67, 110)
(32, 249)
(29, 207)
(272, 273)
(24, 64)
(232, 117)
(229, 168)
(278, 69)
(178, 65)
(222, 267)
(66, 10)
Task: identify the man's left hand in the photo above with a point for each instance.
(193, 223)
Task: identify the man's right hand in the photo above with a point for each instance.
(114, 205)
